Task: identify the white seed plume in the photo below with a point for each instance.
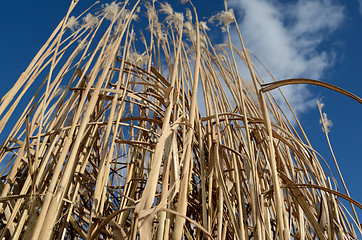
(111, 10)
(127, 14)
(204, 26)
(151, 11)
(90, 20)
(320, 104)
(72, 23)
(221, 46)
(60, 90)
(82, 44)
(136, 58)
(326, 123)
(189, 29)
(166, 8)
(188, 15)
(176, 19)
(225, 17)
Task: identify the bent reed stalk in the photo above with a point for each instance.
(156, 135)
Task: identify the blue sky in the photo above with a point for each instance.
(318, 39)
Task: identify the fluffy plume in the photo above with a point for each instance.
(82, 44)
(72, 23)
(227, 17)
(60, 90)
(127, 13)
(166, 8)
(176, 19)
(320, 104)
(136, 58)
(188, 15)
(204, 26)
(111, 10)
(326, 123)
(189, 28)
(90, 20)
(151, 11)
(224, 18)
(221, 46)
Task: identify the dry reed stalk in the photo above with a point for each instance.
(123, 152)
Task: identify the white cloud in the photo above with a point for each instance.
(287, 37)
(312, 17)
(360, 6)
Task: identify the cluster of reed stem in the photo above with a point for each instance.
(156, 135)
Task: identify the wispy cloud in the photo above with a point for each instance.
(360, 6)
(287, 38)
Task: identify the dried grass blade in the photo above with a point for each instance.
(270, 86)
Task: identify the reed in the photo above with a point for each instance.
(116, 143)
